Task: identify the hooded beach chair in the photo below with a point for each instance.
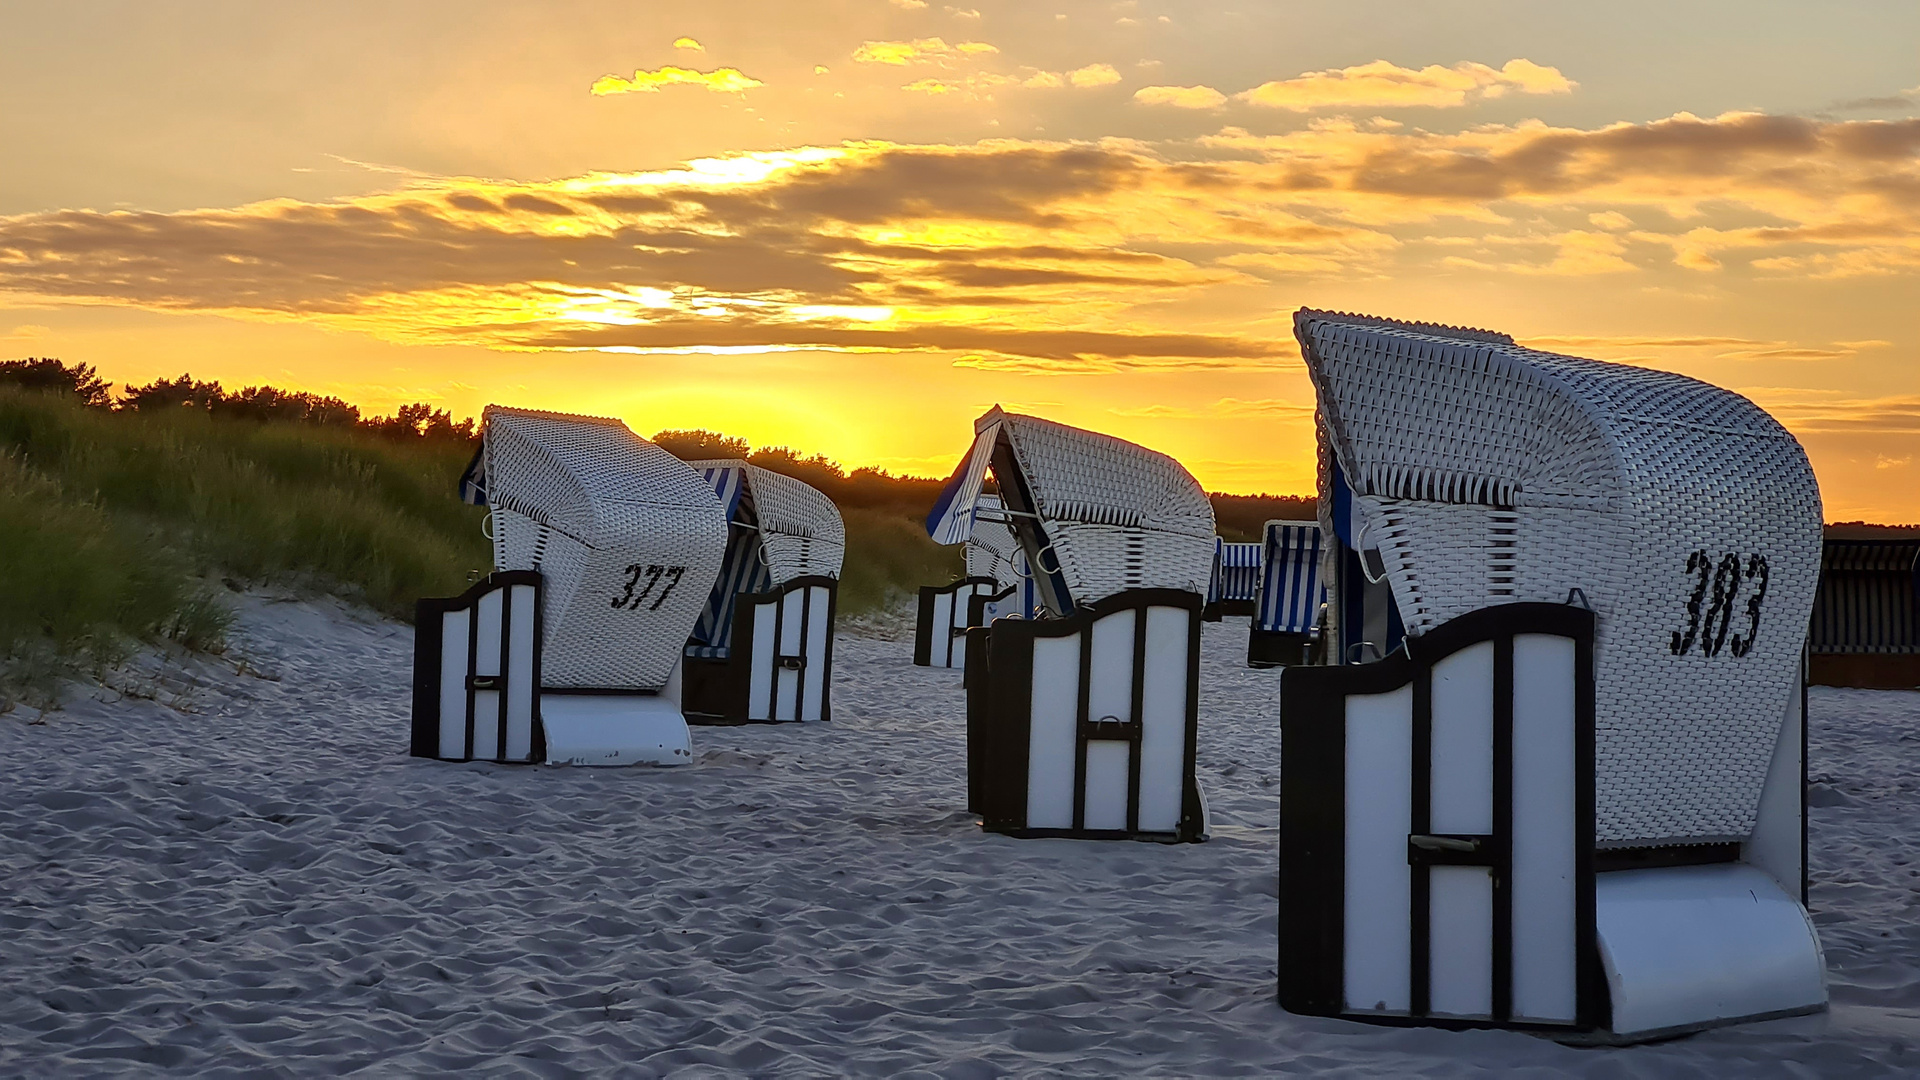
(1235, 582)
(1287, 605)
(998, 585)
(606, 547)
(762, 650)
(1863, 617)
(1081, 722)
(1557, 780)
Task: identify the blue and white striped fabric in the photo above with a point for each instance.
(1290, 590)
(727, 482)
(1344, 525)
(743, 572)
(1236, 572)
(951, 521)
(473, 482)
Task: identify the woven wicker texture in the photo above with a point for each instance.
(1119, 516)
(800, 528)
(597, 509)
(992, 549)
(1486, 473)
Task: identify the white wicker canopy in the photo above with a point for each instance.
(1095, 515)
(1487, 473)
(628, 537)
(993, 551)
(799, 527)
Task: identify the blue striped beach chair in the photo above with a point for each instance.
(1081, 721)
(998, 585)
(1236, 580)
(1287, 609)
(1864, 614)
(762, 650)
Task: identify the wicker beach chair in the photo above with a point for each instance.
(1235, 583)
(1081, 722)
(1570, 793)
(1864, 626)
(1287, 606)
(998, 585)
(762, 650)
(606, 547)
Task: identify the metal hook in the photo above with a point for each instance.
(1577, 597)
(1039, 559)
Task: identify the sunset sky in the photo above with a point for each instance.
(850, 227)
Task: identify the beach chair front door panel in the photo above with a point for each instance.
(485, 685)
(1463, 892)
(951, 616)
(1107, 743)
(787, 677)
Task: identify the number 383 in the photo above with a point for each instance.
(1710, 617)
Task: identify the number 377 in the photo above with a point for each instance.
(1710, 618)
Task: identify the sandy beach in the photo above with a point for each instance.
(236, 870)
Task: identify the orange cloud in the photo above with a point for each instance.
(1017, 254)
(1093, 75)
(1382, 84)
(1181, 97)
(725, 80)
(918, 51)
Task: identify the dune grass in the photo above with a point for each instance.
(110, 519)
(889, 556)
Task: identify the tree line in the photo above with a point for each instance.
(1237, 517)
(258, 403)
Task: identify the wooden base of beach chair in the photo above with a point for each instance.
(939, 633)
(1867, 671)
(780, 666)
(1438, 863)
(477, 693)
(1276, 648)
(1085, 726)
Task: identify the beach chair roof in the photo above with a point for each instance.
(628, 538)
(1486, 473)
(800, 528)
(1108, 514)
(553, 467)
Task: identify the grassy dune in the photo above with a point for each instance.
(112, 518)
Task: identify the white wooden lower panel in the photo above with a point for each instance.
(1379, 800)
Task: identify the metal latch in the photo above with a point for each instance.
(792, 663)
(1444, 843)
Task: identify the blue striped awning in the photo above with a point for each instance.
(1236, 572)
(727, 482)
(743, 572)
(951, 520)
(473, 482)
(1290, 590)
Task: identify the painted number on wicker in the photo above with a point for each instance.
(631, 601)
(1709, 627)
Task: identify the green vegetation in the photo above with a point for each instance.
(112, 517)
(114, 513)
